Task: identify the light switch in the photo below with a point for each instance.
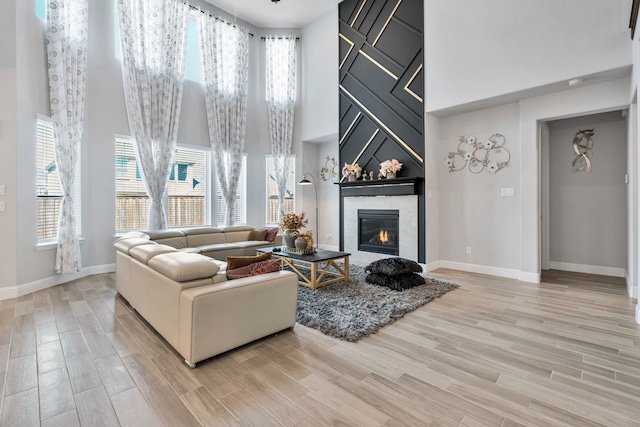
(1, 189)
(507, 192)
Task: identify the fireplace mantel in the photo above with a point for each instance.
(402, 186)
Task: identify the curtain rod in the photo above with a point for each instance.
(279, 38)
(213, 16)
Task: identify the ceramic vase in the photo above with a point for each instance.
(289, 238)
(352, 177)
(301, 244)
(391, 175)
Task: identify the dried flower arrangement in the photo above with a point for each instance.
(390, 166)
(294, 222)
(353, 170)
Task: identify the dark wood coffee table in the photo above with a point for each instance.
(318, 275)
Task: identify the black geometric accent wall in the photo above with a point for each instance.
(381, 86)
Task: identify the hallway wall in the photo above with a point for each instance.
(587, 211)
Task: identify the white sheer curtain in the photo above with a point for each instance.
(153, 35)
(281, 97)
(225, 65)
(67, 68)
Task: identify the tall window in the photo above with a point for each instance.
(41, 9)
(49, 191)
(192, 59)
(241, 198)
(272, 191)
(187, 189)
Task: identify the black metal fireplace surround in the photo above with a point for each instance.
(378, 231)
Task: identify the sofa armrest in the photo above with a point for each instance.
(216, 318)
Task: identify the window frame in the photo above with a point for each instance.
(241, 196)
(137, 176)
(77, 185)
(291, 185)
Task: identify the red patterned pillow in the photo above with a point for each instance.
(271, 234)
(255, 269)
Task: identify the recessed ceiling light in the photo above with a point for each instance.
(575, 82)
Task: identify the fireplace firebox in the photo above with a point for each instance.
(378, 231)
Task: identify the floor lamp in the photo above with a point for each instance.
(305, 181)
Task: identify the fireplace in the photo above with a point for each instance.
(378, 231)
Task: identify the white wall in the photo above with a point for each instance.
(472, 212)
(320, 72)
(476, 50)
(588, 211)
(8, 146)
(433, 166)
(329, 198)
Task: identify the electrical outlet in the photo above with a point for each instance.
(468, 250)
(329, 236)
(1, 206)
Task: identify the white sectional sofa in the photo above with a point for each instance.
(187, 298)
(214, 242)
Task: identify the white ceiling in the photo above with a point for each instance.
(283, 14)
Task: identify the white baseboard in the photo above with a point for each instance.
(329, 248)
(485, 269)
(638, 313)
(48, 282)
(529, 277)
(588, 269)
(632, 289)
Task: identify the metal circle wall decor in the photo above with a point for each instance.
(329, 172)
(489, 154)
(583, 150)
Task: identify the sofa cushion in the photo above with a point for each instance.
(125, 245)
(183, 266)
(252, 244)
(202, 236)
(393, 266)
(255, 269)
(234, 262)
(272, 232)
(144, 253)
(218, 247)
(196, 250)
(132, 234)
(234, 228)
(257, 235)
(237, 236)
(171, 237)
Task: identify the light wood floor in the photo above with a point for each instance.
(494, 352)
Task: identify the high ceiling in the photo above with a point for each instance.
(283, 14)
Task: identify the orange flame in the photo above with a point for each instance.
(384, 237)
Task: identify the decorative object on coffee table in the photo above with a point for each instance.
(301, 244)
(352, 308)
(291, 223)
(289, 238)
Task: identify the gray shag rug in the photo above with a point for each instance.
(352, 309)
